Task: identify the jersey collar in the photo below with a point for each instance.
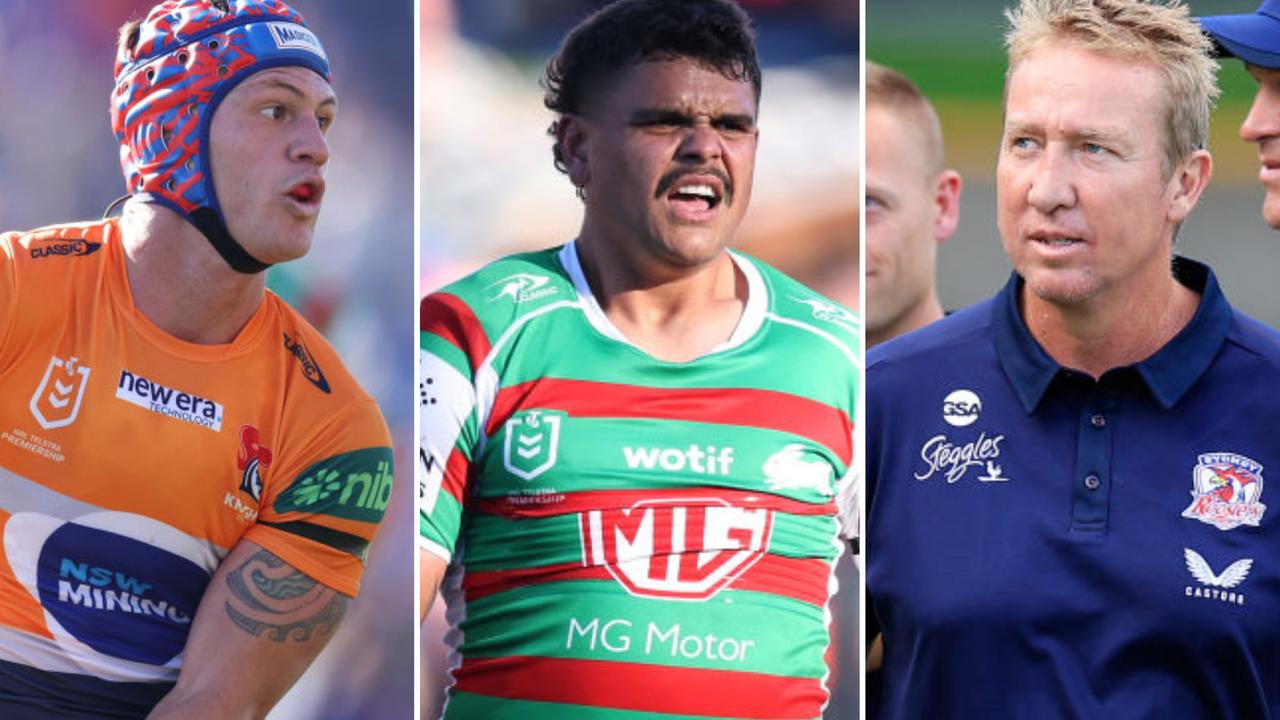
(1168, 374)
(753, 312)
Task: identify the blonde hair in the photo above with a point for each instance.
(894, 91)
(1160, 33)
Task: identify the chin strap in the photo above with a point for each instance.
(207, 222)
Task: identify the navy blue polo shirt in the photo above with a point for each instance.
(1043, 545)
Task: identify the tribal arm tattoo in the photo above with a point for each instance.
(270, 598)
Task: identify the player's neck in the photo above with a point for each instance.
(1112, 331)
(179, 282)
(929, 310)
(672, 314)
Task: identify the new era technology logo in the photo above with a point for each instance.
(56, 402)
(163, 400)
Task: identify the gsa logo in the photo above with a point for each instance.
(961, 408)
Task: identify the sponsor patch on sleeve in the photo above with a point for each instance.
(355, 485)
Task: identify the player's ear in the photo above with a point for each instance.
(573, 148)
(1188, 182)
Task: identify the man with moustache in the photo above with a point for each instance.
(638, 446)
(189, 477)
(1065, 483)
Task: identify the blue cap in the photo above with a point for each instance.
(1254, 38)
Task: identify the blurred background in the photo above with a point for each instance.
(489, 188)
(59, 163)
(954, 52)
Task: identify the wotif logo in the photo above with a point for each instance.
(678, 548)
(961, 408)
(522, 288)
(705, 460)
(164, 400)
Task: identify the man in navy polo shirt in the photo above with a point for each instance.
(1255, 39)
(1066, 506)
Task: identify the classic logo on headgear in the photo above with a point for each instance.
(189, 54)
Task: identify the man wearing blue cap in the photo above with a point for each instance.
(1255, 39)
(189, 477)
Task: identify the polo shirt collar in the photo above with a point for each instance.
(1169, 373)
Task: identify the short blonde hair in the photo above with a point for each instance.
(1160, 33)
(894, 91)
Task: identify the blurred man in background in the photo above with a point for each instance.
(624, 450)
(1255, 39)
(1029, 459)
(912, 205)
(191, 477)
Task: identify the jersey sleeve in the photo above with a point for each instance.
(452, 346)
(321, 508)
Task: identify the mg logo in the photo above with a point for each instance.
(683, 549)
(533, 437)
(56, 401)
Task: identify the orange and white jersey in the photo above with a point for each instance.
(131, 463)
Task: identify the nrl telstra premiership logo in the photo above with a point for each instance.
(56, 401)
(532, 442)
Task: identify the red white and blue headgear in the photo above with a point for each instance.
(189, 55)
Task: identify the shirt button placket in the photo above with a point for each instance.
(1092, 489)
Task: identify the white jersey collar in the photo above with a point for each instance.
(753, 313)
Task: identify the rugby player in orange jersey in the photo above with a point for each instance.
(189, 478)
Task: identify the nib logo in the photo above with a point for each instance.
(251, 460)
(56, 402)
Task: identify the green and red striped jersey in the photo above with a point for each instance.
(627, 537)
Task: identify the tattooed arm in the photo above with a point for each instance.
(259, 625)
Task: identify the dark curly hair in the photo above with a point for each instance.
(715, 33)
